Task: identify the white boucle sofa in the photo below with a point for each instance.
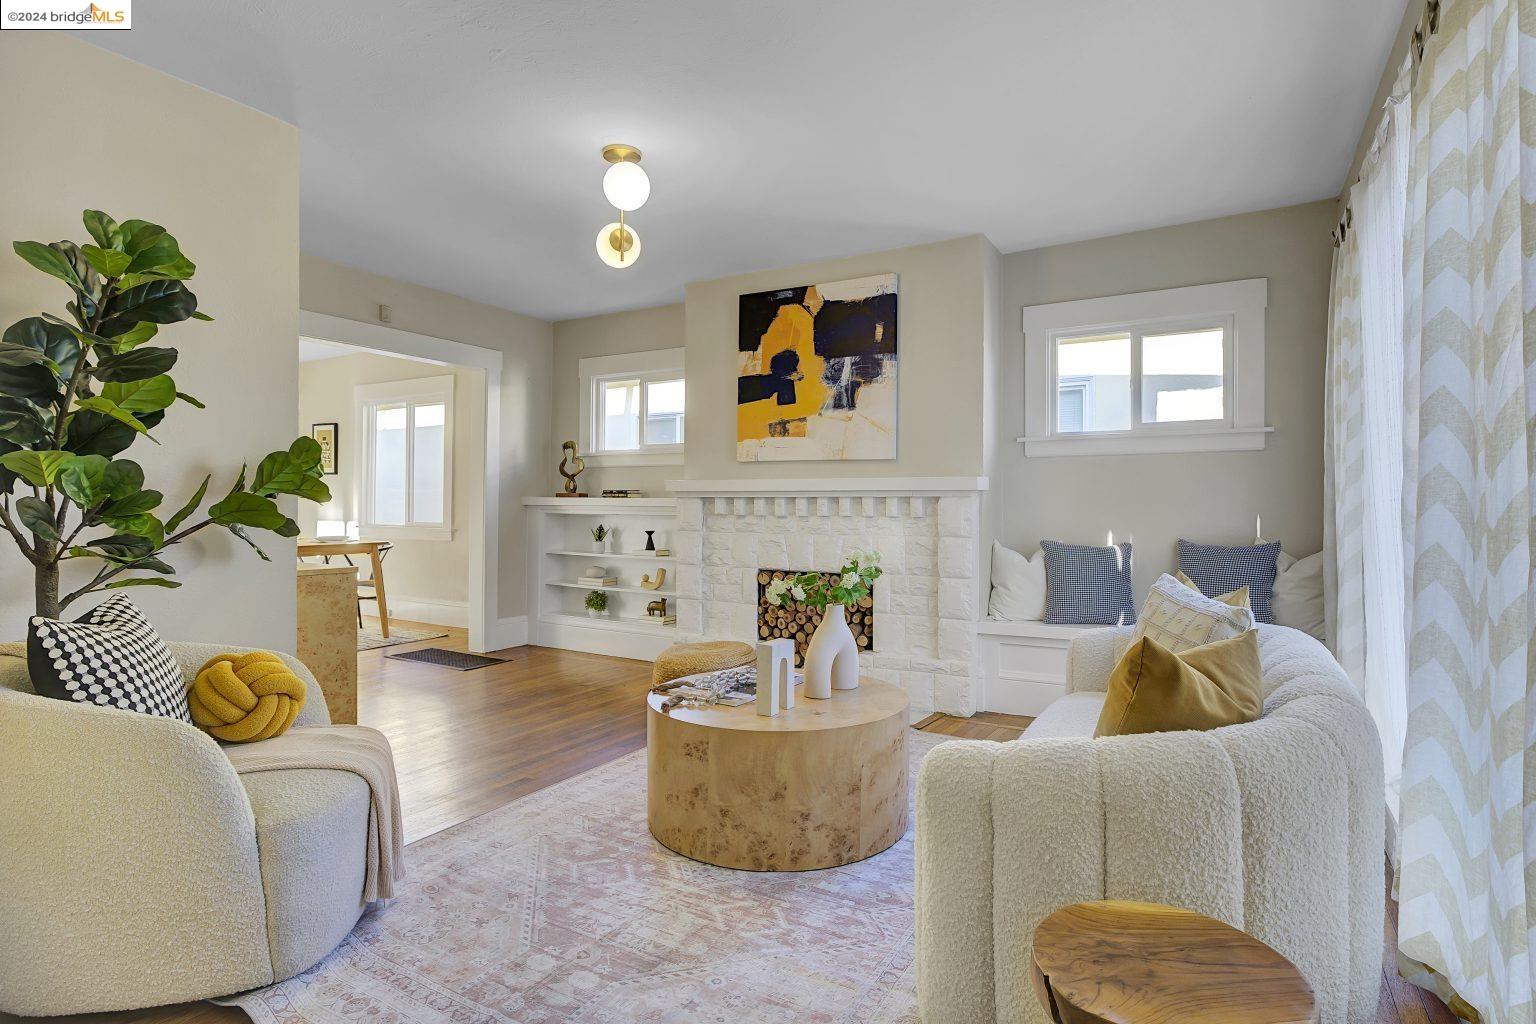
(1276, 827)
(136, 867)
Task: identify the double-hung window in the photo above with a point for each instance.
(1179, 370)
(632, 408)
(406, 483)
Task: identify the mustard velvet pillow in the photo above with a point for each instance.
(1153, 689)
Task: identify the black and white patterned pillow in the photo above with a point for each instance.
(1216, 569)
(111, 657)
(1087, 585)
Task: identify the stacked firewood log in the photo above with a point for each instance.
(799, 623)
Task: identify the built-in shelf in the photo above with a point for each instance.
(617, 588)
(641, 556)
(617, 623)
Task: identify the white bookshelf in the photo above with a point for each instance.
(560, 550)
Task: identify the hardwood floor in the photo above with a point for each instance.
(468, 742)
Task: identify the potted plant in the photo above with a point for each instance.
(597, 604)
(77, 392)
(600, 538)
(832, 657)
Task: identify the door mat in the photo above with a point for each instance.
(459, 661)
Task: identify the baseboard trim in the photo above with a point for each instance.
(436, 613)
(507, 632)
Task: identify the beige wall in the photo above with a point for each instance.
(941, 313)
(1157, 499)
(224, 180)
(528, 459)
(643, 330)
(427, 580)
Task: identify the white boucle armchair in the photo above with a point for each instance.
(136, 867)
(1275, 827)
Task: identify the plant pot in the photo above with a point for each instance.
(832, 657)
(599, 547)
(593, 613)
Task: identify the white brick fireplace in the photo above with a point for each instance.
(927, 530)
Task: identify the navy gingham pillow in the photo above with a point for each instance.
(1087, 585)
(1215, 570)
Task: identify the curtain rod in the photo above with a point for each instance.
(1428, 25)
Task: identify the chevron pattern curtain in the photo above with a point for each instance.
(1467, 877)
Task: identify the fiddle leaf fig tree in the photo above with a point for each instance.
(77, 392)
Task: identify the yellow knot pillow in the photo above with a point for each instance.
(241, 698)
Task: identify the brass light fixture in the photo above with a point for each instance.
(627, 187)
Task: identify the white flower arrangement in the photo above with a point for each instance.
(860, 570)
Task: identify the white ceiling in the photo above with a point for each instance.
(456, 145)
(312, 350)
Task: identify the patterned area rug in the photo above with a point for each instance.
(369, 637)
(561, 907)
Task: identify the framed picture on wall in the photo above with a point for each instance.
(327, 434)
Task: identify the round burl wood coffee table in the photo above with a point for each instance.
(821, 784)
(1118, 962)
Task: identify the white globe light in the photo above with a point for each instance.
(609, 240)
(626, 186)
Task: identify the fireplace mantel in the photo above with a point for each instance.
(872, 486)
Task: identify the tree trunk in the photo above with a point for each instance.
(48, 591)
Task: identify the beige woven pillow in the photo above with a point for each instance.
(1179, 617)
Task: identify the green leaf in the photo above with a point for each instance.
(133, 365)
(209, 319)
(142, 525)
(139, 235)
(132, 505)
(186, 510)
(141, 395)
(122, 478)
(50, 261)
(239, 531)
(83, 480)
(286, 472)
(154, 564)
(142, 581)
(161, 302)
(190, 400)
(35, 382)
(103, 229)
(54, 340)
(136, 335)
(108, 262)
(38, 468)
(21, 422)
(121, 547)
(35, 516)
(94, 433)
(21, 355)
(242, 508)
(106, 407)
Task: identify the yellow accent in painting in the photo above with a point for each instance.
(793, 329)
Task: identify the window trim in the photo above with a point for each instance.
(1237, 305)
(419, 390)
(654, 365)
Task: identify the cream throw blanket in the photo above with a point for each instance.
(346, 748)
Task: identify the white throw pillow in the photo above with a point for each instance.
(1179, 617)
(1298, 600)
(1018, 585)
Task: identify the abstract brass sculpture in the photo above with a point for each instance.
(646, 583)
(576, 466)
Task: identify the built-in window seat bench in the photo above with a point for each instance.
(1023, 664)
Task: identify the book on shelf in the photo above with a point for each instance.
(599, 581)
(623, 492)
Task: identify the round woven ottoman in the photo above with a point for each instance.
(707, 656)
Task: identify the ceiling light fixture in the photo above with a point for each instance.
(627, 187)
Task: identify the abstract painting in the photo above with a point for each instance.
(817, 376)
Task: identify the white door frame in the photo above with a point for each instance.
(485, 521)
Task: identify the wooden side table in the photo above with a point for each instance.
(1119, 962)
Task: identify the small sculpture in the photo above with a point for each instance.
(775, 676)
(657, 607)
(575, 467)
(645, 580)
(650, 540)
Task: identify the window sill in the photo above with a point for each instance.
(1226, 439)
(634, 459)
(437, 533)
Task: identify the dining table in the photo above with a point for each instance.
(327, 549)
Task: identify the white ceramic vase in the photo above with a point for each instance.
(832, 658)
